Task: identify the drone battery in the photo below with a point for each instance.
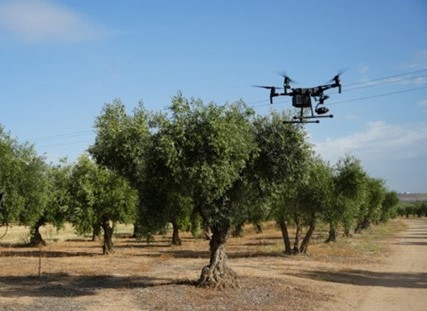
(301, 101)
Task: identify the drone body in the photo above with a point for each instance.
(302, 99)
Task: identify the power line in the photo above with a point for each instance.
(388, 77)
(353, 99)
(384, 83)
(251, 104)
(380, 95)
(62, 136)
(64, 144)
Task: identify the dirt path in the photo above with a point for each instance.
(398, 284)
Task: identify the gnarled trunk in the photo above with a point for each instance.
(285, 236)
(238, 230)
(312, 225)
(176, 240)
(36, 237)
(364, 224)
(217, 274)
(332, 236)
(107, 247)
(347, 233)
(137, 230)
(258, 228)
(298, 232)
(96, 232)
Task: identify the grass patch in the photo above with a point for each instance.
(360, 247)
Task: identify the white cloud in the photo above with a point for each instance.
(363, 70)
(378, 142)
(418, 61)
(36, 21)
(422, 103)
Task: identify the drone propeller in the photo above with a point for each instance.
(268, 87)
(272, 91)
(337, 80)
(286, 79)
(338, 75)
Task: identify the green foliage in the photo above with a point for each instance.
(389, 206)
(370, 210)
(218, 146)
(349, 192)
(56, 211)
(99, 195)
(281, 165)
(316, 194)
(122, 140)
(23, 180)
(414, 209)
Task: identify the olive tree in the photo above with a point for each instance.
(370, 209)
(212, 147)
(349, 190)
(24, 183)
(314, 196)
(389, 206)
(99, 197)
(166, 198)
(280, 167)
(121, 143)
(58, 198)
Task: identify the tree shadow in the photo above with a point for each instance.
(36, 253)
(369, 278)
(64, 285)
(140, 245)
(269, 238)
(259, 244)
(411, 243)
(232, 255)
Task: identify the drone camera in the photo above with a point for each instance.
(322, 110)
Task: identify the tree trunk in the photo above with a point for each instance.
(217, 274)
(285, 236)
(96, 232)
(206, 232)
(238, 230)
(136, 230)
(298, 232)
(176, 240)
(107, 247)
(332, 237)
(347, 233)
(36, 238)
(364, 224)
(258, 228)
(312, 225)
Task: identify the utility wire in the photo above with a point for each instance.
(383, 83)
(64, 144)
(353, 99)
(388, 77)
(379, 95)
(265, 102)
(62, 136)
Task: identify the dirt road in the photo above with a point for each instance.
(398, 284)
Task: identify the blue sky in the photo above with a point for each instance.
(62, 60)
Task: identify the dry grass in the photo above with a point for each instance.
(159, 276)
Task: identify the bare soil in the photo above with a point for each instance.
(157, 276)
(399, 282)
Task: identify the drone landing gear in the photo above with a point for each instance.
(306, 119)
(300, 121)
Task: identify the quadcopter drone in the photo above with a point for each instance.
(301, 98)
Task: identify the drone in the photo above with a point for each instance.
(301, 98)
